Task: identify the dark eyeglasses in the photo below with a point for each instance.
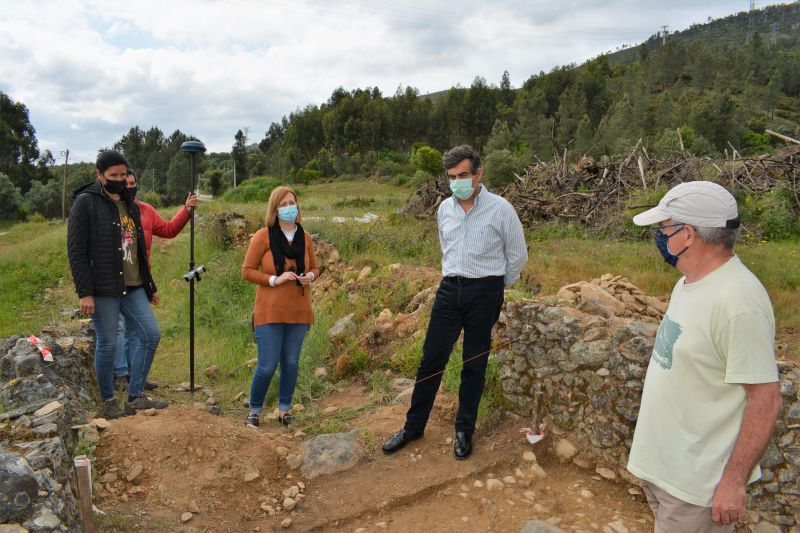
(659, 229)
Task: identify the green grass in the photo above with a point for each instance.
(33, 258)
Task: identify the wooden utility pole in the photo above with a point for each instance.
(64, 187)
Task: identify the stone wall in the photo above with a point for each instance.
(41, 402)
(589, 369)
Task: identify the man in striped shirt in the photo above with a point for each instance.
(483, 249)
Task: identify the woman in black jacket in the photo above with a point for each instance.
(107, 255)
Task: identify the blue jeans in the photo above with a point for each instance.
(140, 324)
(277, 343)
(126, 345)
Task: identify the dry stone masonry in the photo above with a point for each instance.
(41, 403)
(586, 359)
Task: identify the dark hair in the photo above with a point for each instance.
(109, 158)
(460, 153)
(132, 172)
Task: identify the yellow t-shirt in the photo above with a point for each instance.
(718, 333)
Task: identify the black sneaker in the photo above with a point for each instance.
(140, 403)
(148, 385)
(251, 420)
(286, 420)
(111, 409)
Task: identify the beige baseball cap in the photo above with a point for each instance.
(699, 203)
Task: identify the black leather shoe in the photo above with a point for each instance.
(462, 446)
(398, 440)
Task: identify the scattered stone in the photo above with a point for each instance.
(214, 410)
(365, 272)
(380, 525)
(343, 327)
(329, 410)
(291, 492)
(294, 461)
(538, 472)
(185, 517)
(211, 401)
(634, 491)
(212, 372)
(321, 372)
(565, 450)
(298, 408)
(583, 461)
(193, 507)
(109, 477)
(282, 451)
(509, 480)
(329, 453)
(494, 484)
(478, 484)
(606, 473)
(250, 476)
(135, 471)
(286, 523)
(585, 493)
(765, 527)
(539, 526)
(101, 423)
(529, 456)
(148, 412)
(617, 526)
(183, 387)
(289, 503)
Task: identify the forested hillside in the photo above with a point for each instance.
(710, 87)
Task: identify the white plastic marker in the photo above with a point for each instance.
(532, 437)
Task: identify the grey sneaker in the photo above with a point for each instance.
(111, 409)
(140, 403)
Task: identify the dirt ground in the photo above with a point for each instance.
(227, 474)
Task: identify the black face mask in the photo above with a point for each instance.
(116, 187)
(662, 242)
(131, 192)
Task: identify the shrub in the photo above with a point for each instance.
(500, 167)
(770, 214)
(253, 190)
(44, 198)
(428, 160)
(150, 197)
(10, 199)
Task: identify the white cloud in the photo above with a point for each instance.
(211, 67)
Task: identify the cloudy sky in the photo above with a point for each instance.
(90, 70)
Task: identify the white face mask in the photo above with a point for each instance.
(462, 188)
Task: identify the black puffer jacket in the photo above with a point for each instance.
(94, 245)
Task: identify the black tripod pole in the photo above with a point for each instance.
(192, 148)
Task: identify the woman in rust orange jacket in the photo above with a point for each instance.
(280, 261)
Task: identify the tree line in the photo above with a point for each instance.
(711, 97)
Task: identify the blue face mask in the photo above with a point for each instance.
(662, 243)
(462, 188)
(288, 214)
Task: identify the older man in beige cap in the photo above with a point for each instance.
(711, 394)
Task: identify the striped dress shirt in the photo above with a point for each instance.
(487, 241)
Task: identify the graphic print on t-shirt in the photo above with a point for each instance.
(668, 333)
(127, 228)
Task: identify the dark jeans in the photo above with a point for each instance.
(473, 307)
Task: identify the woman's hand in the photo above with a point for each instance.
(286, 276)
(191, 201)
(305, 279)
(87, 305)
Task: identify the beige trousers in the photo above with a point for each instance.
(677, 516)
